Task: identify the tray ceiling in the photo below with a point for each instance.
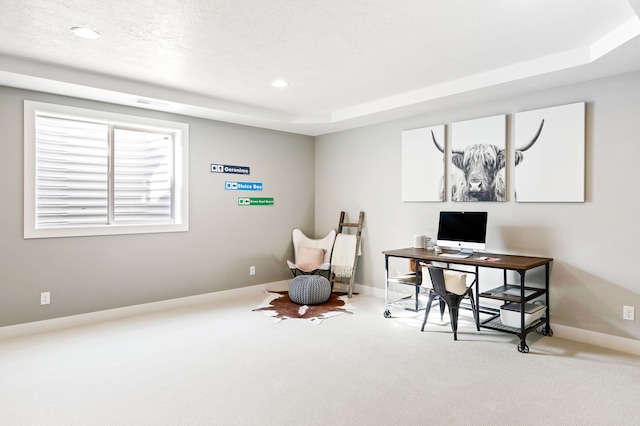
(348, 64)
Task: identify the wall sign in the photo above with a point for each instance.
(249, 201)
(224, 168)
(243, 186)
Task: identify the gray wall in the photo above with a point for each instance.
(594, 244)
(89, 274)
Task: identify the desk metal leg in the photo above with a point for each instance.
(522, 347)
(547, 331)
(387, 312)
(417, 283)
(478, 293)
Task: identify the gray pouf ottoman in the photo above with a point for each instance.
(309, 289)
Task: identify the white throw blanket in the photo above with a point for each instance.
(344, 253)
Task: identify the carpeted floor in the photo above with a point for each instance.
(223, 364)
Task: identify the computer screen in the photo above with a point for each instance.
(466, 231)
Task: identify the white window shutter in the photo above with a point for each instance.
(143, 176)
(71, 172)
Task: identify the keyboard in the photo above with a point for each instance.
(455, 255)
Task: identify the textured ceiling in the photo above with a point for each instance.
(348, 63)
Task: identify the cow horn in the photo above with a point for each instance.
(436, 143)
(439, 147)
(535, 138)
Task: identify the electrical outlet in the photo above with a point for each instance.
(252, 270)
(45, 298)
(628, 313)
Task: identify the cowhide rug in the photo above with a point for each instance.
(279, 306)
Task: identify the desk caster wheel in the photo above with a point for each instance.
(546, 332)
(523, 348)
(387, 314)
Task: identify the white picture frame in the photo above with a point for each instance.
(422, 165)
(553, 168)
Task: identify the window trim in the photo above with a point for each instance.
(181, 162)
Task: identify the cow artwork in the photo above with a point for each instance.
(478, 174)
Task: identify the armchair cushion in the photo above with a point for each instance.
(455, 282)
(309, 258)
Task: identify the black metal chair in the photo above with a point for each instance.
(451, 298)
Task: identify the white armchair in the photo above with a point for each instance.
(312, 256)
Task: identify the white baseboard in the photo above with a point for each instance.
(36, 327)
(617, 343)
(602, 340)
(368, 290)
(579, 335)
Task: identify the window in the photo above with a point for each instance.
(90, 172)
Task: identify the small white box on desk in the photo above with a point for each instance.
(510, 313)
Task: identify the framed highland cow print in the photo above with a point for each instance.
(478, 154)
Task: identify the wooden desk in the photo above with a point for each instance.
(504, 292)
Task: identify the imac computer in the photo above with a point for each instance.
(465, 231)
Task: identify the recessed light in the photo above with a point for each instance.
(279, 83)
(87, 33)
